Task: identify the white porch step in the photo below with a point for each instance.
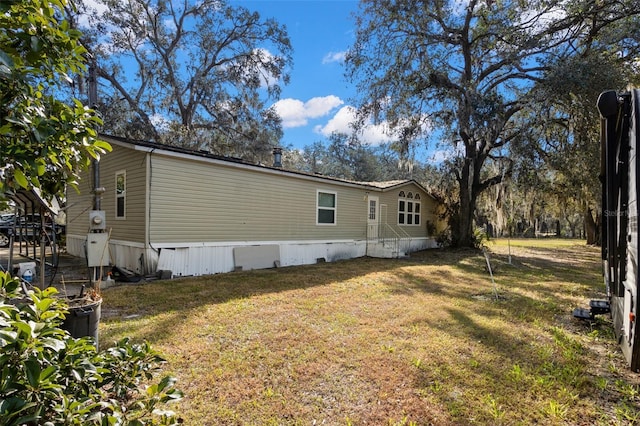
(383, 251)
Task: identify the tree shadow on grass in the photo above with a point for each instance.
(151, 311)
(178, 298)
(529, 301)
(174, 299)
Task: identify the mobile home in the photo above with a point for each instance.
(194, 213)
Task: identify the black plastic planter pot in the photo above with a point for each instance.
(83, 319)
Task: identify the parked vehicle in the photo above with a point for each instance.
(27, 228)
(4, 238)
(7, 217)
(6, 228)
(619, 174)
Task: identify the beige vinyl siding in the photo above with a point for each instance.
(79, 205)
(197, 201)
(133, 163)
(427, 205)
(131, 228)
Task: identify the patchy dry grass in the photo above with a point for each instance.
(389, 342)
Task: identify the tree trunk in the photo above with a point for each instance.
(590, 227)
(502, 220)
(463, 236)
(572, 226)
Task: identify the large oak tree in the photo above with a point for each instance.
(190, 73)
(468, 71)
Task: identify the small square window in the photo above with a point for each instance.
(326, 208)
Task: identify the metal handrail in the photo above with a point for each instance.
(396, 239)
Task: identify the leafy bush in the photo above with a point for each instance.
(50, 378)
(480, 238)
(444, 238)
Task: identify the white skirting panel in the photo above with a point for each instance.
(125, 254)
(205, 259)
(201, 260)
(418, 244)
(76, 245)
(307, 253)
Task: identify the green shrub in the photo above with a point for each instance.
(48, 377)
(480, 238)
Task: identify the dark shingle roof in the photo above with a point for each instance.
(386, 185)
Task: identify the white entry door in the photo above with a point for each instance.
(373, 220)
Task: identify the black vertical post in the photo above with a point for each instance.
(95, 163)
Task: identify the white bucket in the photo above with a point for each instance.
(26, 265)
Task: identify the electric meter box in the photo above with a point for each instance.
(97, 249)
(97, 220)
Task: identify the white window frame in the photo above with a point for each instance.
(319, 207)
(409, 212)
(122, 195)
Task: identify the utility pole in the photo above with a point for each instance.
(95, 163)
(97, 238)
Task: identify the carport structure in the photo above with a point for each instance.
(35, 230)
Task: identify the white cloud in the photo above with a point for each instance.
(334, 57)
(340, 123)
(535, 21)
(445, 151)
(295, 113)
(265, 57)
(92, 6)
(372, 134)
(170, 24)
(441, 155)
(160, 122)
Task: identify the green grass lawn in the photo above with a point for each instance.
(425, 340)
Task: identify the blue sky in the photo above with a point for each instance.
(318, 99)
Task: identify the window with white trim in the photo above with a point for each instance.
(409, 209)
(327, 208)
(121, 195)
(373, 206)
